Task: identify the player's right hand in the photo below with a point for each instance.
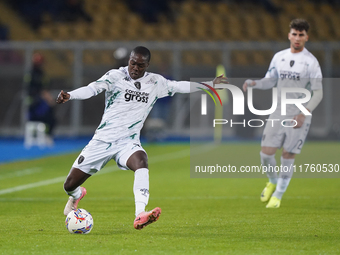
(220, 80)
(63, 97)
(300, 119)
(247, 83)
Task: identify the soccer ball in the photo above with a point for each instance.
(79, 221)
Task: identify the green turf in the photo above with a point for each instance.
(199, 216)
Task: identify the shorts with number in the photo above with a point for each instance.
(97, 154)
(291, 139)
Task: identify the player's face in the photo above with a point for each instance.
(297, 40)
(137, 66)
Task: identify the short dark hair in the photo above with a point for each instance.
(299, 25)
(143, 51)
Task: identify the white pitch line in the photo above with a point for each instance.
(19, 173)
(155, 159)
(50, 181)
(32, 185)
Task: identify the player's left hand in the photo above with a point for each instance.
(63, 97)
(220, 79)
(300, 119)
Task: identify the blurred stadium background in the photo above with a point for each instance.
(81, 40)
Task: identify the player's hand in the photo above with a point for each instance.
(63, 97)
(220, 79)
(300, 119)
(247, 83)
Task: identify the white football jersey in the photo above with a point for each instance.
(128, 102)
(296, 70)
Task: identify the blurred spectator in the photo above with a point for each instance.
(40, 101)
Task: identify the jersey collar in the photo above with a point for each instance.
(125, 70)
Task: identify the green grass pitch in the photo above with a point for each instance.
(199, 216)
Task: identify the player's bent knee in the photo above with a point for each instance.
(137, 160)
(268, 150)
(141, 163)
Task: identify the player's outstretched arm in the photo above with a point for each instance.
(248, 83)
(189, 87)
(63, 97)
(265, 83)
(80, 93)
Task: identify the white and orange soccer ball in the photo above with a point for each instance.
(79, 221)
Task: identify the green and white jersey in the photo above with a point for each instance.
(127, 102)
(294, 70)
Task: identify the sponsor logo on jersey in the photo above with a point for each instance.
(131, 95)
(289, 75)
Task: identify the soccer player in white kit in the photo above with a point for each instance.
(130, 93)
(294, 67)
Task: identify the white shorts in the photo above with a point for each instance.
(96, 154)
(291, 139)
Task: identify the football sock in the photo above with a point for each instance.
(285, 176)
(141, 189)
(75, 193)
(269, 162)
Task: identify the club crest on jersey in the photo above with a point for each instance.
(137, 84)
(292, 63)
